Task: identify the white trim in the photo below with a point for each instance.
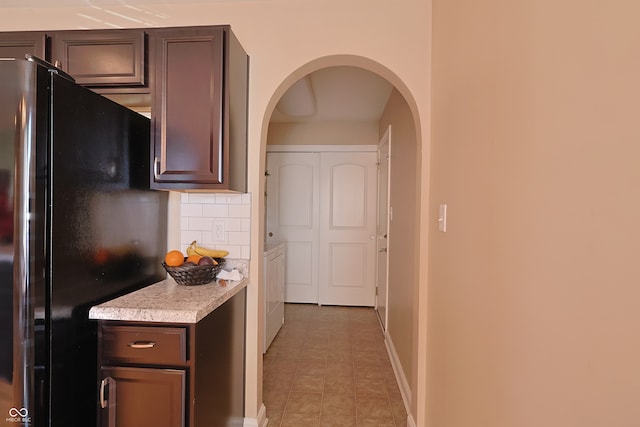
(261, 421)
(274, 148)
(403, 384)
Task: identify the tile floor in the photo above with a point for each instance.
(328, 366)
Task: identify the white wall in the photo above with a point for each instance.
(285, 39)
(324, 133)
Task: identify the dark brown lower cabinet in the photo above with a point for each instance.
(174, 374)
(143, 397)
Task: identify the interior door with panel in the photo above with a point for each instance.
(292, 217)
(382, 272)
(348, 194)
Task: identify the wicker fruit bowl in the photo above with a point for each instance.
(189, 275)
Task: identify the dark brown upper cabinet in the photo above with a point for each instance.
(96, 58)
(193, 80)
(198, 109)
(18, 44)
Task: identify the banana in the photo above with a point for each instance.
(194, 249)
(190, 249)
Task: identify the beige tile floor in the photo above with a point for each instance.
(328, 366)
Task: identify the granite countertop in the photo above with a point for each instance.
(168, 302)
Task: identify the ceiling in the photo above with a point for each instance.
(330, 94)
(334, 94)
(90, 3)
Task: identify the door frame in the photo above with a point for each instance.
(386, 139)
(275, 148)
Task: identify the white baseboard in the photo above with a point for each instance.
(403, 384)
(261, 421)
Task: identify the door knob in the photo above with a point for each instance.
(382, 250)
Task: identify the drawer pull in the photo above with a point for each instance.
(142, 344)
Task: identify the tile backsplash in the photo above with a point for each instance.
(217, 221)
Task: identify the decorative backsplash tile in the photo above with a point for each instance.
(219, 221)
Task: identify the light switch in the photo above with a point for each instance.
(442, 218)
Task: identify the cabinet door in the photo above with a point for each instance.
(18, 44)
(101, 58)
(187, 107)
(143, 397)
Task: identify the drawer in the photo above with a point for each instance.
(144, 344)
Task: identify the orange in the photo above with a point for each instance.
(101, 256)
(194, 258)
(174, 258)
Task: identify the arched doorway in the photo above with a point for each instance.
(399, 111)
(321, 184)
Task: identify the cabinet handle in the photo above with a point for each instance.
(156, 164)
(103, 386)
(142, 344)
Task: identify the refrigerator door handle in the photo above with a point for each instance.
(53, 68)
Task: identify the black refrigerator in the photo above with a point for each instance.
(78, 226)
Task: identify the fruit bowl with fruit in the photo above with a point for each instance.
(199, 267)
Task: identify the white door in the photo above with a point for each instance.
(292, 217)
(382, 277)
(348, 228)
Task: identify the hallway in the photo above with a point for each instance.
(328, 366)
